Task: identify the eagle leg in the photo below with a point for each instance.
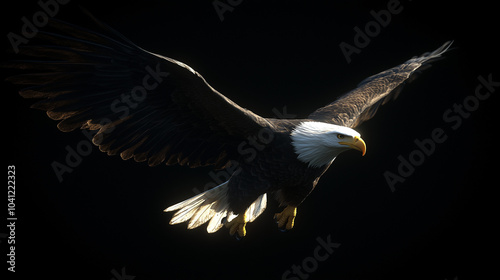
(286, 218)
(237, 226)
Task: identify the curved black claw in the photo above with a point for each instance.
(237, 237)
(282, 229)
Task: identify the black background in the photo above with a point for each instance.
(107, 214)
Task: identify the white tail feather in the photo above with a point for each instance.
(256, 208)
(213, 206)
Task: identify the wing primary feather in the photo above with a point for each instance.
(84, 77)
(362, 103)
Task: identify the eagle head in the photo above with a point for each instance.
(319, 143)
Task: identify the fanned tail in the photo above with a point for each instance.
(212, 206)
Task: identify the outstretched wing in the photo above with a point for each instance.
(143, 106)
(362, 103)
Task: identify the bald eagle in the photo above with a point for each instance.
(156, 109)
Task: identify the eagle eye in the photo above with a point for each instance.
(340, 136)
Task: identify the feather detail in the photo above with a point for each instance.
(212, 206)
(361, 104)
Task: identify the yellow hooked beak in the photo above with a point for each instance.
(356, 143)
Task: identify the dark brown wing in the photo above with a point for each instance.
(362, 103)
(143, 105)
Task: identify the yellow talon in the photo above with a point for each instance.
(286, 217)
(238, 225)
